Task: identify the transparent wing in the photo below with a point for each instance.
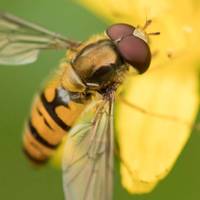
(21, 41)
(88, 157)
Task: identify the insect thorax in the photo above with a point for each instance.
(98, 64)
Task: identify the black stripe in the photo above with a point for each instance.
(33, 159)
(37, 136)
(39, 112)
(45, 121)
(51, 106)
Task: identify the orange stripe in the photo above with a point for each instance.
(44, 131)
(54, 134)
(34, 148)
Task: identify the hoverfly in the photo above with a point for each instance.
(88, 76)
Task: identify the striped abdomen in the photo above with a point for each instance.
(53, 113)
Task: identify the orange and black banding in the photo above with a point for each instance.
(51, 107)
(52, 116)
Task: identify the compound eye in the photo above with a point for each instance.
(135, 52)
(118, 31)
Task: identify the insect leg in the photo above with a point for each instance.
(158, 115)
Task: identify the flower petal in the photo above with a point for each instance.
(179, 30)
(149, 145)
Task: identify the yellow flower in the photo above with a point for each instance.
(149, 142)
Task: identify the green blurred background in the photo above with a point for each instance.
(20, 181)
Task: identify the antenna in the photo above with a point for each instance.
(146, 25)
(154, 33)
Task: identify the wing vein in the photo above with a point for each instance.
(92, 177)
(17, 37)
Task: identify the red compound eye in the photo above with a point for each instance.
(118, 31)
(132, 49)
(136, 52)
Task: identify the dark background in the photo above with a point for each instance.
(18, 180)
